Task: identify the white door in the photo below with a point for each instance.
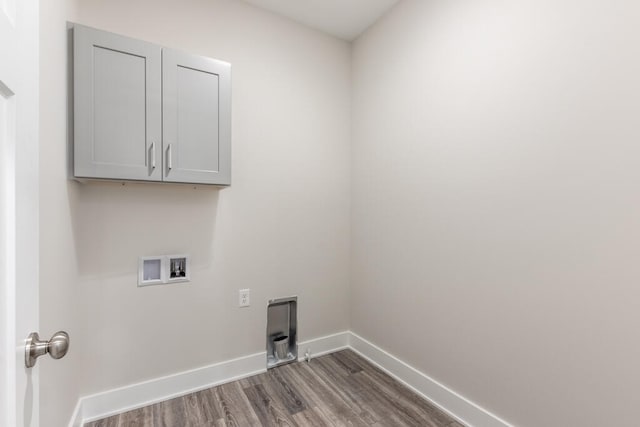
(18, 208)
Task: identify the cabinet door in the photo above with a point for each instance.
(196, 119)
(117, 106)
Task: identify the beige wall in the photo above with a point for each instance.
(494, 210)
(495, 202)
(282, 228)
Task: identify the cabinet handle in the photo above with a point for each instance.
(169, 162)
(153, 155)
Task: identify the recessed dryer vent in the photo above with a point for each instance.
(282, 331)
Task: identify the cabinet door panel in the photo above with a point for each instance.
(119, 108)
(117, 120)
(196, 119)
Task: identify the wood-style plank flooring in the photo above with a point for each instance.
(339, 389)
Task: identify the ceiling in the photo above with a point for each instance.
(345, 19)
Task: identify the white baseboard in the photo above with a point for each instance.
(111, 402)
(76, 417)
(134, 396)
(324, 345)
(441, 396)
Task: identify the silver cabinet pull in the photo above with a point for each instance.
(57, 347)
(169, 162)
(153, 155)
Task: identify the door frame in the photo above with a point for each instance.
(19, 72)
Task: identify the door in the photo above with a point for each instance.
(117, 106)
(18, 208)
(196, 118)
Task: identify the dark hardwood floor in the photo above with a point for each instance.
(339, 389)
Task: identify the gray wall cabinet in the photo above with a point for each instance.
(147, 113)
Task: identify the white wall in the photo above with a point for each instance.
(495, 202)
(59, 290)
(282, 228)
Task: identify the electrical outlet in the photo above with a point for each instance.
(244, 298)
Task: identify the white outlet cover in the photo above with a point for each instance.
(244, 298)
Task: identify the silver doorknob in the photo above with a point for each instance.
(57, 347)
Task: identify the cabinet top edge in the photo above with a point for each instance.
(71, 25)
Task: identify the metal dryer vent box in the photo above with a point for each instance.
(282, 328)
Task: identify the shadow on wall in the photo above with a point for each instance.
(115, 223)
